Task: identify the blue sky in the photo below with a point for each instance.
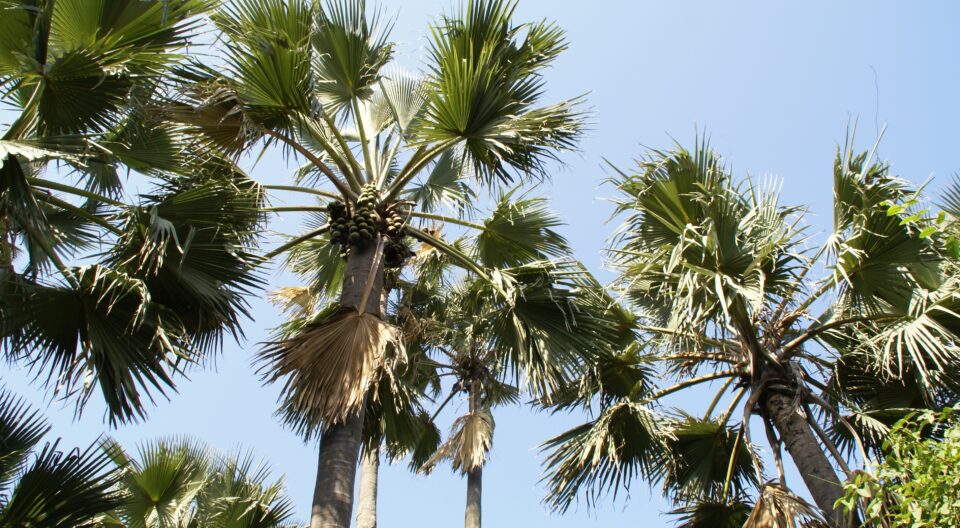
(775, 85)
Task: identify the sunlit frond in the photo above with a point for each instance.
(627, 441)
(701, 453)
(328, 368)
(471, 438)
(777, 507)
(484, 88)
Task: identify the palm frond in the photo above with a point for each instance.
(162, 481)
(239, 493)
(694, 248)
(269, 61)
(777, 507)
(21, 429)
(351, 47)
(328, 368)
(710, 514)
(484, 87)
(471, 438)
(105, 333)
(701, 453)
(446, 185)
(554, 318)
(63, 489)
(519, 230)
(625, 442)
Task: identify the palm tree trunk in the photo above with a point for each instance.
(336, 474)
(815, 468)
(367, 499)
(474, 493)
(340, 442)
(474, 476)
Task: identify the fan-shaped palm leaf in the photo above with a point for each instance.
(484, 86)
(21, 429)
(471, 438)
(709, 514)
(777, 507)
(701, 453)
(626, 441)
(329, 367)
(63, 489)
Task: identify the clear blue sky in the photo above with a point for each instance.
(774, 84)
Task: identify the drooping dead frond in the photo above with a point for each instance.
(328, 369)
(778, 507)
(471, 438)
(292, 299)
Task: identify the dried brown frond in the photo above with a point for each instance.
(328, 369)
(297, 300)
(471, 438)
(778, 507)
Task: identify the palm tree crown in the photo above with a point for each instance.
(97, 290)
(719, 274)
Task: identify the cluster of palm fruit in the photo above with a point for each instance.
(358, 228)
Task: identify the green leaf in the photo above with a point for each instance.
(625, 442)
(106, 332)
(519, 230)
(484, 88)
(700, 451)
(21, 429)
(63, 489)
(351, 47)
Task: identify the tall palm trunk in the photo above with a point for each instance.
(340, 442)
(369, 480)
(474, 492)
(474, 476)
(815, 468)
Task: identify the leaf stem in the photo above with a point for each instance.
(296, 241)
(317, 162)
(69, 189)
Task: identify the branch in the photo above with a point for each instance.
(364, 146)
(350, 167)
(295, 209)
(725, 417)
(733, 457)
(69, 189)
(817, 330)
(51, 254)
(296, 241)
(825, 440)
(452, 220)
(305, 190)
(319, 163)
(452, 252)
(818, 401)
(419, 160)
(707, 340)
(745, 427)
(374, 267)
(796, 284)
(82, 213)
(777, 451)
(716, 399)
(691, 382)
(442, 405)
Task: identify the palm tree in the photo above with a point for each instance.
(313, 78)
(720, 276)
(49, 488)
(495, 349)
(553, 319)
(177, 483)
(97, 290)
